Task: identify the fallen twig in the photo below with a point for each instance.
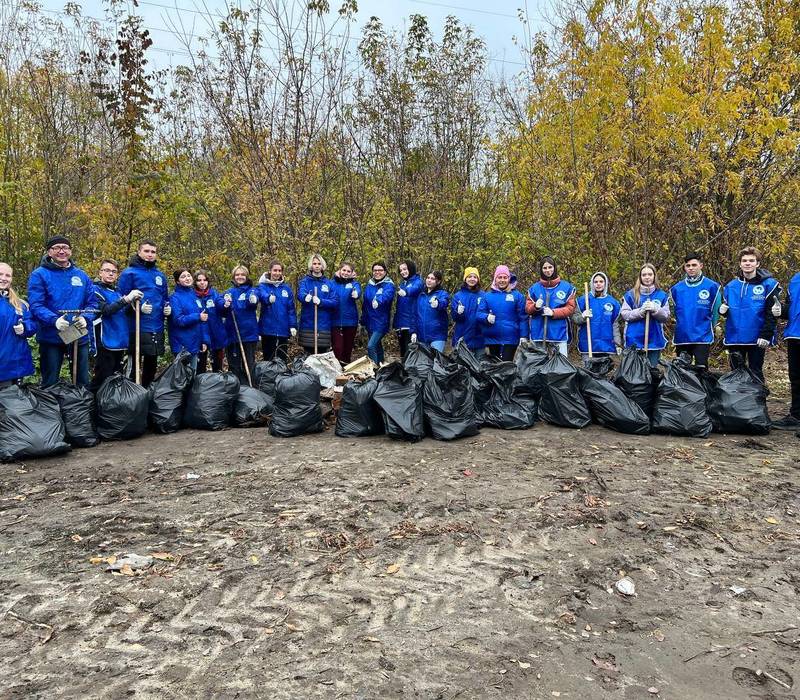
(49, 628)
(784, 629)
(703, 653)
(759, 672)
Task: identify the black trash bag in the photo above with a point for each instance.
(561, 402)
(359, 415)
(503, 409)
(609, 406)
(480, 382)
(418, 360)
(211, 400)
(122, 407)
(252, 408)
(265, 373)
(530, 360)
(637, 379)
(30, 424)
(168, 395)
(297, 410)
(680, 407)
(400, 398)
(737, 402)
(77, 411)
(448, 401)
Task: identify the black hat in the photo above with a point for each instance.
(56, 240)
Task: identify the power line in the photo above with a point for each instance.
(463, 9)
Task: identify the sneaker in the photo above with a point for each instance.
(786, 423)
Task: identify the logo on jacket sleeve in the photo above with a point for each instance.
(210, 304)
(76, 281)
(758, 290)
(284, 293)
(703, 294)
(561, 295)
(509, 297)
(159, 280)
(608, 308)
(325, 288)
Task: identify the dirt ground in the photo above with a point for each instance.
(321, 567)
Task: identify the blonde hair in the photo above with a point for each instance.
(637, 285)
(320, 258)
(19, 305)
(233, 271)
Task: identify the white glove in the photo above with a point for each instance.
(762, 343)
(253, 299)
(374, 303)
(460, 309)
(547, 311)
(308, 298)
(147, 308)
(776, 308)
(293, 332)
(61, 323)
(539, 303)
(648, 306)
(413, 337)
(133, 295)
(434, 303)
(204, 315)
(167, 309)
(80, 323)
(228, 300)
(490, 318)
(272, 298)
(316, 301)
(401, 292)
(723, 308)
(19, 329)
(587, 314)
(354, 294)
(619, 350)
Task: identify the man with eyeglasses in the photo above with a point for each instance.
(61, 295)
(111, 326)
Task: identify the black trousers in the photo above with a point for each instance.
(106, 363)
(750, 356)
(273, 346)
(793, 349)
(404, 339)
(216, 360)
(235, 360)
(504, 352)
(698, 351)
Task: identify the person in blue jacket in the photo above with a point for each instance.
(409, 288)
(601, 316)
(16, 326)
(376, 310)
(143, 274)
(215, 337)
(501, 315)
(239, 308)
(111, 330)
(643, 300)
(432, 323)
(550, 304)
(749, 306)
(790, 311)
(316, 290)
(55, 287)
(464, 311)
(277, 321)
(696, 300)
(188, 317)
(345, 315)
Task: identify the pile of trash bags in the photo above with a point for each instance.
(30, 424)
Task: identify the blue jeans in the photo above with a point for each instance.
(653, 357)
(375, 347)
(438, 345)
(51, 355)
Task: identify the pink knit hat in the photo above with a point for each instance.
(503, 270)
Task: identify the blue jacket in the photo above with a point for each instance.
(377, 320)
(213, 331)
(276, 319)
(15, 354)
(605, 312)
(52, 288)
(555, 297)
(346, 313)
(792, 309)
(329, 302)
(185, 326)
(749, 316)
(405, 314)
(466, 324)
(111, 324)
(510, 323)
(635, 328)
(149, 280)
(245, 313)
(432, 324)
(695, 305)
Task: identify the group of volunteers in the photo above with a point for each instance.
(212, 325)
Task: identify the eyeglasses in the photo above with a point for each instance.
(60, 248)
(110, 271)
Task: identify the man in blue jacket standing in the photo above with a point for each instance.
(142, 274)
(791, 334)
(61, 295)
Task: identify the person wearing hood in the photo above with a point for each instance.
(316, 290)
(215, 337)
(61, 295)
(188, 317)
(601, 317)
(501, 315)
(696, 300)
(551, 299)
(239, 304)
(464, 312)
(345, 315)
(376, 310)
(16, 326)
(405, 314)
(277, 321)
(431, 324)
(750, 306)
(143, 274)
(790, 311)
(643, 300)
(111, 326)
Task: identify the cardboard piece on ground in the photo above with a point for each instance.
(361, 367)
